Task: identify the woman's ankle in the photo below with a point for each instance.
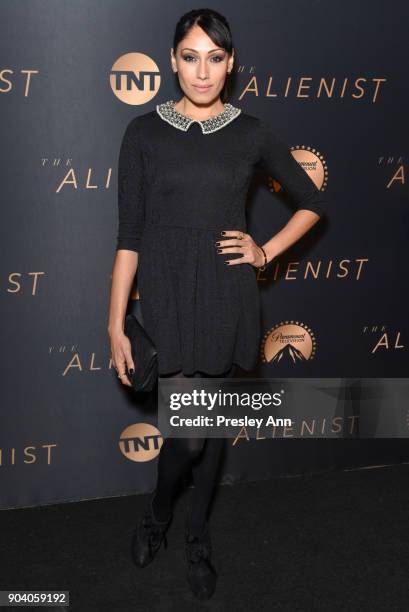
(160, 514)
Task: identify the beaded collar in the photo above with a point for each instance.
(168, 113)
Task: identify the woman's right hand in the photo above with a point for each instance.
(121, 355)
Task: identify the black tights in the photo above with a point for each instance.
(177, 455)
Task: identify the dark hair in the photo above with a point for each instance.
(216, 27)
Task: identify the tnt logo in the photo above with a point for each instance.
(140, 442)
(135, 78)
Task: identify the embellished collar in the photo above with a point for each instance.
(168, 113)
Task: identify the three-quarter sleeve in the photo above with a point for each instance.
(276, 159)
(131, 206)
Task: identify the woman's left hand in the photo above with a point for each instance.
(251, 252)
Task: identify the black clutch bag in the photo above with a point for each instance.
(144, 355)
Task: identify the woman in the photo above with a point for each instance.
(184, 170)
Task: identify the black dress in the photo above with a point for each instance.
(180, 183)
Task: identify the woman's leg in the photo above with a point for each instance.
(175, 459)
(204, 477)
(177, 455)
(205, 470)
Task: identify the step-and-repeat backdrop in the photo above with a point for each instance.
(332, 83)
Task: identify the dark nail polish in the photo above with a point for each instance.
(223, 233)
(217, 243)
(220, 250)
(227, 263)
(131, 371)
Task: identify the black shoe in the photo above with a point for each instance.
(201, 575)
(148, 536)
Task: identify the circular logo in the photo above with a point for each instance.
(140, 442)
(288, 341)
(135, 78)
(312, 162)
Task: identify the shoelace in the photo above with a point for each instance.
(197, 550)
(155, 531)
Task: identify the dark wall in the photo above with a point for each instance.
(64, 411)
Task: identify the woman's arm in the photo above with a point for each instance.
(299, 224)
(123, 273)
(277, 160)
(131, 215)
